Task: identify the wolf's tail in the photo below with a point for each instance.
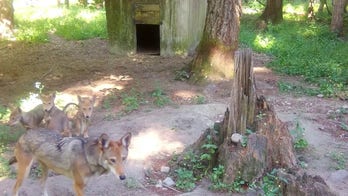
(69, 104)
(12, 160)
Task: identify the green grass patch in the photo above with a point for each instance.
(33, 24)
(301, 48)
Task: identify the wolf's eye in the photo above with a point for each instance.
(113, 160)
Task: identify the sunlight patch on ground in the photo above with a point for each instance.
(184, 94)
(261, 70)
(103, 85)
(249, 11)
(151, 142)
(264, 41)
(110, 83)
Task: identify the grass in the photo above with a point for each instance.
(160, 99)
(301, 48)
(339, 160)
(300, 142)
(34, 24)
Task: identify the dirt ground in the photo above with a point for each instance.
(86, 68)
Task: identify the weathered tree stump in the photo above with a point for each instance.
(242, 105)
(269, 147)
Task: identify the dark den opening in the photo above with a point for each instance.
(148, 39)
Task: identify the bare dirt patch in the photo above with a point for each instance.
(86, 68)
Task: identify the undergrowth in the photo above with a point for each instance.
(301, 48)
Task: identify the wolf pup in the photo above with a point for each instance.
(28, 120)
(55, 119)
(82, 118)
(73, 157)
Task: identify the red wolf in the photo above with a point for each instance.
(29, 120)
(74, 157)
(55, 119)
(81, 120)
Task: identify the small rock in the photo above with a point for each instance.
(168, 181)
(236, 137)
(165, 169)
(320, 95)
(159, 184)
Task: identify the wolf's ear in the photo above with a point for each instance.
(104, 140)
(125, 140)
(79, 98)
(53, 95)
(94, 98)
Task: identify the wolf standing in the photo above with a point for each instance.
(73, 157)
(80, 122)
(55, 118)
(29, 120)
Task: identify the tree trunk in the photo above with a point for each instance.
(242, 105)
(120, 26)
(83, 3)
(6, 19)
(273, 11)
(337, 17)
(310, 10)
(215, 53)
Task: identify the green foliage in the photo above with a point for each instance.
(238, 185)
(4, 113)
(200, 99)
(160, 99)
(109, 100)
(192, 162)
(297, 89)
(195, 165)
(131, 100)
(7, 136)
(271, 183)
(300, 142)
(303, 49)
(182, 75)
(244, 141)
(216, 178)
(185, 179)
(339, 159)
(33, 24)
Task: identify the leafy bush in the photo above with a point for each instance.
(185, 179)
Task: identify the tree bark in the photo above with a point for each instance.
(242, 105)
(120, 26)
(215, 53)
(337, 17)
(273, 11)
(6, 19)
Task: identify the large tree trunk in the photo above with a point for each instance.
(273, 11)
(6, 19)
(337, 17)
(215, 53)
(119, 14)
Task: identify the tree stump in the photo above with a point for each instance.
(269, 147)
